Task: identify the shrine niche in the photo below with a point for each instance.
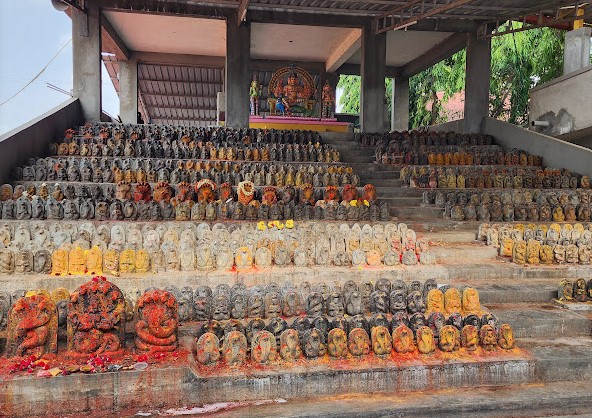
(32, 327)
(291, 91)
(96, 319)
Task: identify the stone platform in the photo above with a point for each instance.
(300, 123)
(185, 383)
(527, 400)
(458, 377)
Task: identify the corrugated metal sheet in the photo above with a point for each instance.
(181, 95)
(488, 10)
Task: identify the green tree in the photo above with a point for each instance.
(350, 100)
(519, 62)
(447, 76)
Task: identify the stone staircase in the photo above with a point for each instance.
(405, 202)
(558, 340)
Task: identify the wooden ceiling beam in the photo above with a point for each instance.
(243, 5)
(155, 107)
(382, 22)
(112, 42)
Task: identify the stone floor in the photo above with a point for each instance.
(569, 399)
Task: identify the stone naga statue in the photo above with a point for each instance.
(33, 327)
(96, 318)
(156, 329)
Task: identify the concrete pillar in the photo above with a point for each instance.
(86, 54)
(478, 74)
(128, 90)
(577, 50)
(373, 70)
(238, 74)
(400, 105)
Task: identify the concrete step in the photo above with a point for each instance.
(450, 237)
(357, 159)
(183, 383)
(348, 145)
(370, 174)
(338, 136)
(348, 155)
(416, 212)
(475, 253)
(496, 294)
(386, 192)
(351, 146)
(564, 359)
(372, 166)
(397, 201)
(543, 321)
(444, 225)
(545, 399)
(388, 182)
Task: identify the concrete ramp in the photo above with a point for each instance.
(555, 152)
(32, 138)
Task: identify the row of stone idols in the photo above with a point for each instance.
(76, 261)
(99, 170)
(86, 209)
(286, 300)
(323, 323)
(104, 131)
(182, 150)
(565, 234)
(517, 197)
(455, 156)
(116, 235)
(419, 138)
(292, 345)
(496, 212)
(95, 317)
(423, 177)
(539, 245)
(68, 249)
(203, 191)
(533, 252)
(136, 235)
(414, 305)
(575, 291)
(527, 205)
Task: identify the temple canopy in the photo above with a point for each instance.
(182, 48)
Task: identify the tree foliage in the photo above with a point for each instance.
(352, 86)
(519, 62)
(447, 76)
(350, 99)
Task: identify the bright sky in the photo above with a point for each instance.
(31, 33)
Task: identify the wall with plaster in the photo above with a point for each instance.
(566, 103)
